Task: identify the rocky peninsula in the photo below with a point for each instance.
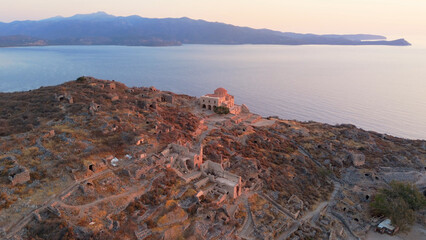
(95, 159)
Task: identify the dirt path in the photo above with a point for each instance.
(314, 213)
(263, 123)
(17, 226)
(14, 228)
(277, 205)
(248, 226)
(290, 231)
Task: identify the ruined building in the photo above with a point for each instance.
(18, 175)
(182, 159)
(224, 181)
(208, 177)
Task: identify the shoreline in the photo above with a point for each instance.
(266, 116)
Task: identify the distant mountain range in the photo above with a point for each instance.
(103, 29)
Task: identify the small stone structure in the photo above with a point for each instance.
(167, 98)
(63, 97)
(18, 175)
(358, 159)
(93, 108)
(112, 86)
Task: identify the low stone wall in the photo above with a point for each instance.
(20, 176)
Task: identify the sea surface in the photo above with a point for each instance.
(377, 88)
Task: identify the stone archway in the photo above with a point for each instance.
(204, 106)
(210, 107)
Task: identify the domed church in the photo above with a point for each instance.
(220, 97)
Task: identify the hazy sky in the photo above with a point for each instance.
(389, 17)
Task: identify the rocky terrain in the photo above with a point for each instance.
(94, 159)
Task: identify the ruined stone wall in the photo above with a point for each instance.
(235, 109)
(232, 190)
(201, 183)
(232, 177)
(198, 160)
(21, 177)
(210, 166)
(167, 98)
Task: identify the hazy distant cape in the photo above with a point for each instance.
(103, 29)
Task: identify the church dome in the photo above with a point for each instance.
(220, 91)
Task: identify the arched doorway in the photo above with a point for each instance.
(204, 105)
(210, 107)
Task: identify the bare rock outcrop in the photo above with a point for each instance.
(244, 109)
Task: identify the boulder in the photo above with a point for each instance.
(153, 89)
(244, 109)
(49, 134)
(143, 104)
(114, 98)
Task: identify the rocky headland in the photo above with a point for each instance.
(95, 159)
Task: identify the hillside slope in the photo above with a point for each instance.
(94, 159)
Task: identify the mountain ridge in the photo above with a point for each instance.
(104, 29)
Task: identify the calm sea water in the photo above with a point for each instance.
(374, 87)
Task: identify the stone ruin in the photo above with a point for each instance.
(64, 97)
(168, 98)
(180, 158)
(224, 182)
(188, 164)
(94, 108)
(18, 175)
(112, 86)
(357, 159)
(295, 205)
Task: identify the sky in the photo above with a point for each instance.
(395, 18)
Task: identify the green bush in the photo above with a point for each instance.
(81, 79)
(221, 110)
(399, 203)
